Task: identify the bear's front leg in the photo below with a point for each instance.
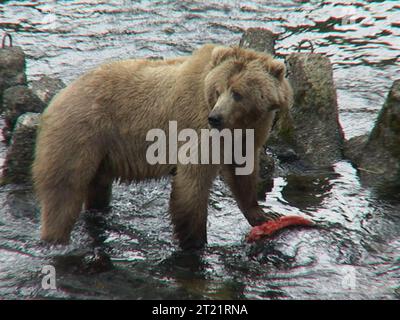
(244, 189)
(188, 204)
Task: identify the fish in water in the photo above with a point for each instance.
(270, 227)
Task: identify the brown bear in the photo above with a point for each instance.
(94, 132)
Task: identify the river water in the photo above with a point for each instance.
(129, 253)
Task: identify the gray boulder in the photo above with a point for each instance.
(20, 154)
(311, 130)
(310, 133)
(354, 148)
(46, 88)
(16, 101)
(12, 69)
(378, 156)
(259, 39)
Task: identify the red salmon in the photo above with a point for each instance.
(270, 227)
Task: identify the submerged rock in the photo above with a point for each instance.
(46, 88)
(16, 101)
(12, 69)
(378, 155)
(20, 155)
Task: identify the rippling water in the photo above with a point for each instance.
(129, 252)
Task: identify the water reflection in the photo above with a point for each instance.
(306, 191)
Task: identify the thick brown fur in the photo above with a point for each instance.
(94, 132)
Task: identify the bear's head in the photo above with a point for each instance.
(243, 88)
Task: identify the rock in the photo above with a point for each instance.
(169, 30)
(380, 160)
(311, 129)
(266, 174)
(12, 69)
(259, 39)
(16, 101)
(22, 203)
(310, 133)
(46, 88)
(285, 154)
(20, 155)
(354, 148)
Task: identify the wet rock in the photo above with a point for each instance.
(20, 155)
(285, 154)
(12, 69)
(311, 130)
(379, 162)
(266, 174)
(259, 39)
(46, 88)
(16, 101)
(169, 30)
(354, 148)
(22, 203)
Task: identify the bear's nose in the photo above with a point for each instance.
(215, 121)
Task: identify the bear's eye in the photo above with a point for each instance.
(237, 96)
(217, 93)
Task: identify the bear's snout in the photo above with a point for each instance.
(215, 120)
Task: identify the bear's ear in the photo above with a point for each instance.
(220, 54)
(277, 69)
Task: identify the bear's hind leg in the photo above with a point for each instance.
(60, 210)
(61, 178)
(99, 191)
